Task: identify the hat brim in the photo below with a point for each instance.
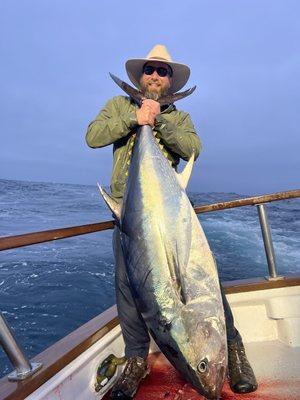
(181, 72)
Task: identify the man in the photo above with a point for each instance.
(156, 75)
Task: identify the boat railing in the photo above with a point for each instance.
(23, 368)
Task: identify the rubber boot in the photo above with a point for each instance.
(135, 370)
(241, 375)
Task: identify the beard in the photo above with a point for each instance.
(153, 92)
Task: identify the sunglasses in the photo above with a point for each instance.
(161, 71)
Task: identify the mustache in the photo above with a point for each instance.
(153, 81)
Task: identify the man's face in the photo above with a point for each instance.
(154, 86)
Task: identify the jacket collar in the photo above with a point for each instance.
(164, 109)
(168, 108)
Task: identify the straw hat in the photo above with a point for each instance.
(181, 72)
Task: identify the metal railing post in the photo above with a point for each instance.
(23, 368)
(268, 243)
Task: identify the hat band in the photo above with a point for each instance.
(159, 58)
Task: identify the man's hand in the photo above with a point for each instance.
(149, 110)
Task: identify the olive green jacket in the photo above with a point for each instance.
(117, 123)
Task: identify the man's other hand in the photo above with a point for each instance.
(149, 110)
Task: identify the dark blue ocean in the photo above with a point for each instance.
(48, 290)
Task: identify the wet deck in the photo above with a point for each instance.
(276, 365)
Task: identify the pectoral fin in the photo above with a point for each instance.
(115, 207)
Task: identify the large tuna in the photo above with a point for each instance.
(170, 267)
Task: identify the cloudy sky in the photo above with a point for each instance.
(245, 60)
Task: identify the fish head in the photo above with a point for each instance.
(209, 362)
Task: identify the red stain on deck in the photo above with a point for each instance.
(165, 383)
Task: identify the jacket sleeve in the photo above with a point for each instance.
(179, 136)
(113, 122)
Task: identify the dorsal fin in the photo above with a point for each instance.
(115, 207)
(184, 177)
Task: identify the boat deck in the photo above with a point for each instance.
(268, 320)
(276, 367)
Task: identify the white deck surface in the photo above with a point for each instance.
(275, 360)
(277, 369)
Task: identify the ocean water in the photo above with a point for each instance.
(50, 289)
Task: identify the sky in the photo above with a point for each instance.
(244, 56)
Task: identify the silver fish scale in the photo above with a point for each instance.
(171, 268)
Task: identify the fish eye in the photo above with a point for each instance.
(202, 366)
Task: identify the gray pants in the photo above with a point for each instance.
(134, 329)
